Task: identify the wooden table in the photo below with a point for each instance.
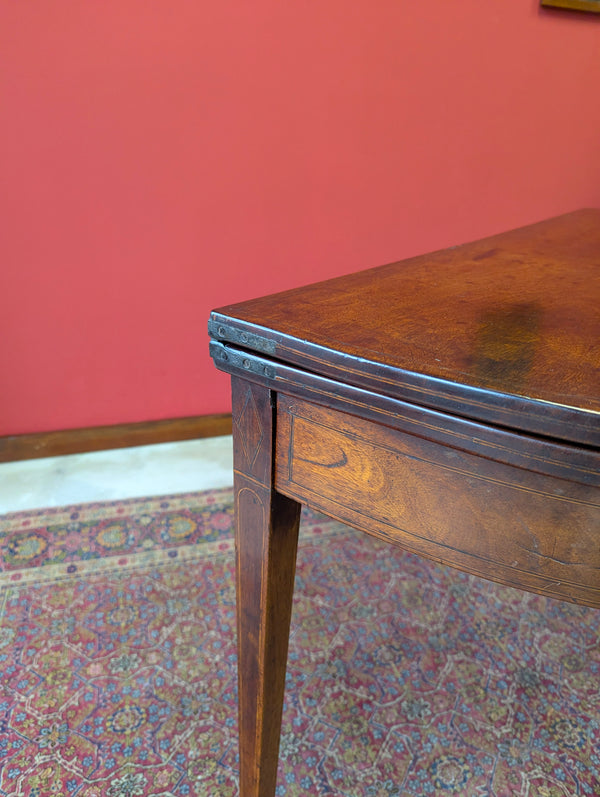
(449, 404)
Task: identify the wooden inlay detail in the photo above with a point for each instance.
(250, 429)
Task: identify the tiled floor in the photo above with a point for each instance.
(120, 473)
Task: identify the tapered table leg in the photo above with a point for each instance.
(266, 544)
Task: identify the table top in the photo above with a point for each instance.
(505, 330)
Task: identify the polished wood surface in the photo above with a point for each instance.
(452, 506)
(483, 330)
(449, 404)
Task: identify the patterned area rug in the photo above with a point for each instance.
(118, 665)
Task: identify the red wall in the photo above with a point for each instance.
(162, 157)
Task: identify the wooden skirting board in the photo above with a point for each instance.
(99, 438)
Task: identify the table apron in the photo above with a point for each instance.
(521, 528)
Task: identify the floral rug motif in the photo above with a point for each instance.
(118, 665)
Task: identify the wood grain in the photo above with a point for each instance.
(503, 330)
(510, 525)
